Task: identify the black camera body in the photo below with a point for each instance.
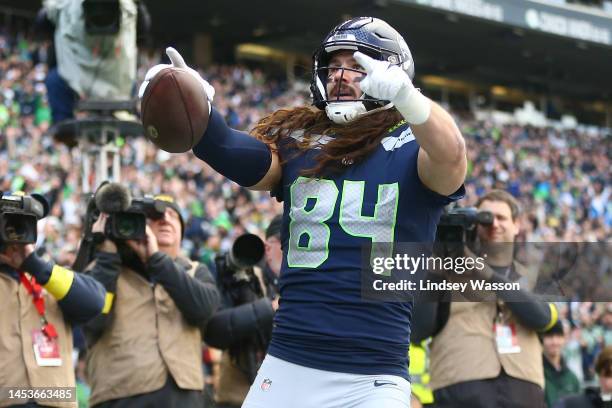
(127, 219)
(127, 216)
(235, 269)
(459, 224)
(102, 17)
(131, 224)
(19, 215)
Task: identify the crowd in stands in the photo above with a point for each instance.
(561, 177)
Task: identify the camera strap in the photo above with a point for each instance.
(35, 290)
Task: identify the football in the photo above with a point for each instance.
(174, 110)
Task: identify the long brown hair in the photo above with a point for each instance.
(350, 143)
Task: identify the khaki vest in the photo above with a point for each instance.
(147, 337)
(466, 350)
(18, 318)
(233, 384)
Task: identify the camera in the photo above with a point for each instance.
(457, 228)
(132, 223)
(19, 215)
(102, 17)
(459, 224)
(235, 269)
(127, 217)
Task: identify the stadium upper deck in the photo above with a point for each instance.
(556, 53)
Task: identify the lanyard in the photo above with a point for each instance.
(35, 290)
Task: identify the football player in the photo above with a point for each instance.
(374, 161)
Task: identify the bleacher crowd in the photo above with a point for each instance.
(561, 177)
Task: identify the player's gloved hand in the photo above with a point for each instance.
(391, 83)
(178, 62)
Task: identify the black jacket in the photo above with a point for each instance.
(232, 323)
(243, 326)
(590, 399)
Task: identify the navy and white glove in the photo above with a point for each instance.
(177, 62)
(391, 83)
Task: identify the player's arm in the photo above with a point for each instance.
(442, 161)
(234, 154)
(238, 155)
(273, 176)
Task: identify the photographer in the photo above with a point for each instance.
(487, 354)
(40, 303)
(145, 349)
(244, 326)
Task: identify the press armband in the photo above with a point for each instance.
(55, 279)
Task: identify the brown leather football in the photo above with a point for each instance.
(174, 110)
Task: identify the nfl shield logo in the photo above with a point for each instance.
(265, 385)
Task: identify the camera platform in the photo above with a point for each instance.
(96, 131)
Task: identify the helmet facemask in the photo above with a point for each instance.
(342, 106)
(372, 37)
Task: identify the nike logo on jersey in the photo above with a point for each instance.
(391, 143)
(378, 383)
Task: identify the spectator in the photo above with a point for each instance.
(560, 381)
(591, 338)
(606, 322)
(595, 397)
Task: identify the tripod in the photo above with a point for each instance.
(97, 132)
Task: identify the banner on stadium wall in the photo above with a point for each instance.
(532, 15)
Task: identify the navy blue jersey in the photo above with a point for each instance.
(322, 322)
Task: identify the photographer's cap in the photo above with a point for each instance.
(168, 201)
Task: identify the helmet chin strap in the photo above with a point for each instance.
(343, 113)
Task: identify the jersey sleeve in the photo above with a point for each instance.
(439, 199)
